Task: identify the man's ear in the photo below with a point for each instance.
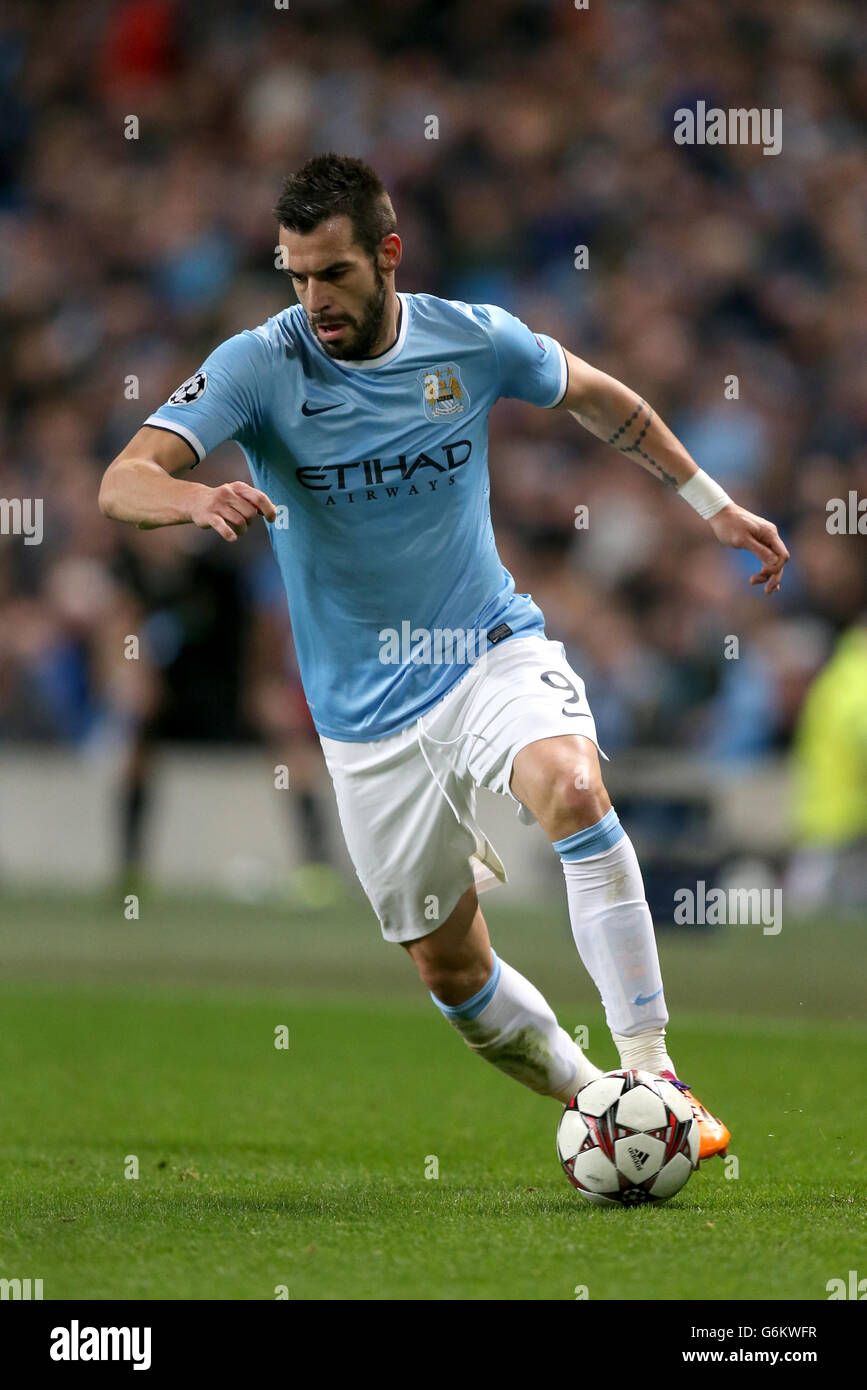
(388, 257)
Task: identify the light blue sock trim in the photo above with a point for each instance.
(593, 840)
(471, 1008)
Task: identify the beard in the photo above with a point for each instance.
(363, 332)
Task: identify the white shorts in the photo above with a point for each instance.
(407, 802)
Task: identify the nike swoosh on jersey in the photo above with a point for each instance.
(319, 409)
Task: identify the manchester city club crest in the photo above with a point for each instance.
(443, 392)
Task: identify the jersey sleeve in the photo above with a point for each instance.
(532, 366)
(223, 399)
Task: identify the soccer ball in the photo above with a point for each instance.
(628, 1137)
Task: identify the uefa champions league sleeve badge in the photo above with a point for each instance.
(443, 392)
(190, 390)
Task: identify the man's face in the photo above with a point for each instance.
(340, 289)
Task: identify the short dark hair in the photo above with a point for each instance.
(331, 185)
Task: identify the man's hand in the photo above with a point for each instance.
(141, 487)
(230, 508)
(741, 530)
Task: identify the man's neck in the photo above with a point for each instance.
(391, 324)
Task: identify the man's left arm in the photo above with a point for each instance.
(618, 416)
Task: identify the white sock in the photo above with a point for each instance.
(644, 1051)
(613, 931)
(511, 1025)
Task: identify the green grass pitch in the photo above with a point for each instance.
(306, 1168)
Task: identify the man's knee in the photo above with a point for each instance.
(561, 782)
(575, 799)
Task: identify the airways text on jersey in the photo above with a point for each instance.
(369, 474)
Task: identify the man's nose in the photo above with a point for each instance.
(318, 297)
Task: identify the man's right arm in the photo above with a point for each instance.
(140, 486)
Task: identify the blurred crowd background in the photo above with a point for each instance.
(125, 261)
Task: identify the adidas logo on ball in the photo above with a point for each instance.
(639, 1157)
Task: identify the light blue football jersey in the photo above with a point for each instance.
(379, 471)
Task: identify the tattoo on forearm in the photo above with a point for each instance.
(635, 446)
(642, 405)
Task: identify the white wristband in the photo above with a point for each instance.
(704, 495)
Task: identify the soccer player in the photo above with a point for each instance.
(362, 413)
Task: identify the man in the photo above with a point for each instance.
(363, 413)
